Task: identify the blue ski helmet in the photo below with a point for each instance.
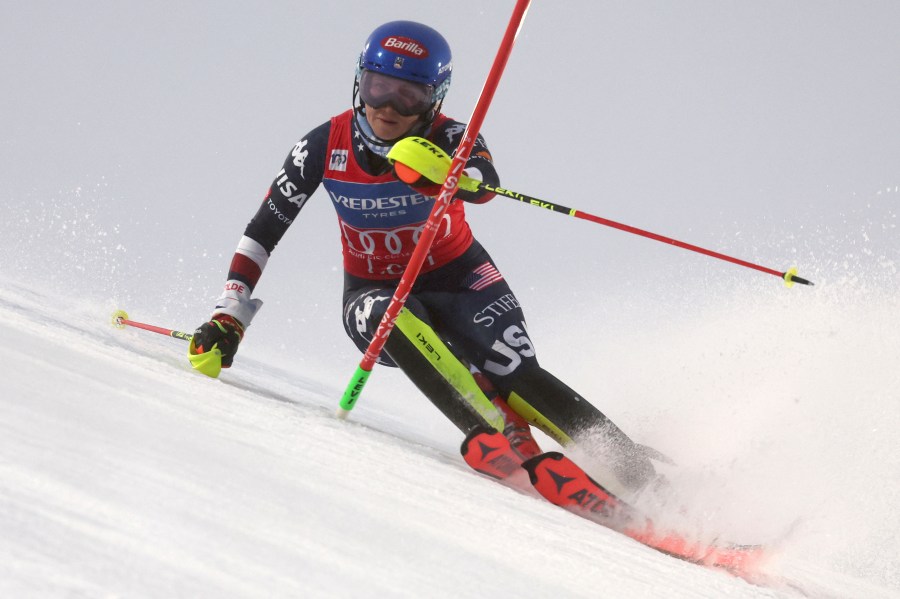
(411, 51)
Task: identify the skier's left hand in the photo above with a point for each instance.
(215, 343)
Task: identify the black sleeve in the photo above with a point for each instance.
(447, 137)
(293, 185)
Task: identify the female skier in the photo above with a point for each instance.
(461, 318)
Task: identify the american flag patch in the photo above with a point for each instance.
(483, 276)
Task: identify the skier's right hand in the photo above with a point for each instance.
(416, 180)
(215, 343)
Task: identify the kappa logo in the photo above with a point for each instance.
(299, 154)
(453, 130)
(338, 160)
(457, 129)
(363, 314)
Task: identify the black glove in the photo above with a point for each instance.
(222, 332)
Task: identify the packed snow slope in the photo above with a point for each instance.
(137, 140)
(123, 473)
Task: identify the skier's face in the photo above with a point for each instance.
(389, 124)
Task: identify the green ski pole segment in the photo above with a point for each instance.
(354, 389)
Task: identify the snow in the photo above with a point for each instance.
(140, 143)
(126, 474)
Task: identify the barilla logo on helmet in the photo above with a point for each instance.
(405, 46)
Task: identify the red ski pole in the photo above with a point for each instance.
(422, 157)
(448, 189)
(120, 320)
(789, 276)
(209, 362)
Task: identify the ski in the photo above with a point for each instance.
(562, 482)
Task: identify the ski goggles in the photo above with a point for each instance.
(406, 97)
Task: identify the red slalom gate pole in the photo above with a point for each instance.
(448, 189)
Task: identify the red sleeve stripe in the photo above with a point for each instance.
(249, 261)
(244, 269)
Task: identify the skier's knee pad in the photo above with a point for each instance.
(363, 314)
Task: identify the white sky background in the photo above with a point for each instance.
(137, 140)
